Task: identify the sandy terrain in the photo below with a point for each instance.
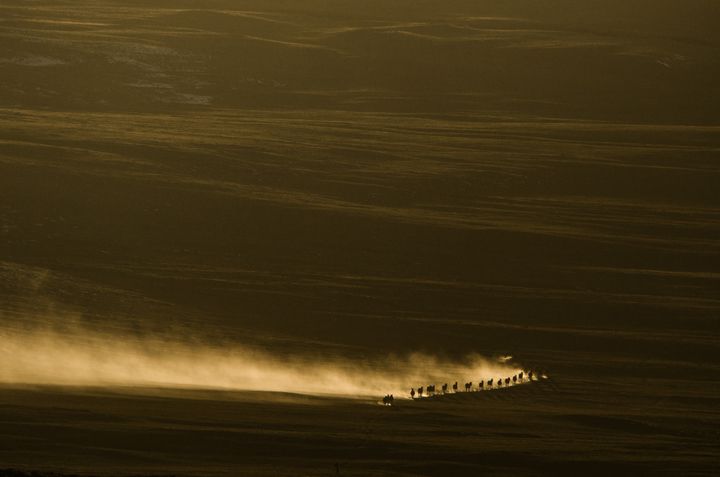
(227, 228)
(571, 428)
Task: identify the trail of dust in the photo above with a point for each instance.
(94, 359)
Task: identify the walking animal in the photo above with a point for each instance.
(444, 388)
(455, 387)
(468, 387)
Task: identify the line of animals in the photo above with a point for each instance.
(429, 390)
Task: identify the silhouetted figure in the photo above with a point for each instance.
(530, 375)
(521, 375)
(455, 387)
(481, 385)
(515, 379)
(420, 391)
(490, 381)
(431, 390)
(468, 386)
(444, 388)
(507, 381)
(392, 399)
(412, 393)
(499, 382)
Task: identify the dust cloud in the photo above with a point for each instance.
(86, 358)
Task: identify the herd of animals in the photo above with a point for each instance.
(429, 390)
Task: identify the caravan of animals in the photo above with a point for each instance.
(428, 391)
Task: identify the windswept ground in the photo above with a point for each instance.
(645, 61)
(569, 428)
(347, 181)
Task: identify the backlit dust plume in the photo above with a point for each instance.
(93, 359)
